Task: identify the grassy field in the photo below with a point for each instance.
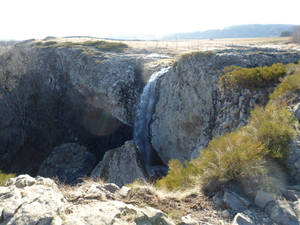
(184, 46)
(173, 48)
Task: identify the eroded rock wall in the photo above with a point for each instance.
(56, 95)
(191, 109)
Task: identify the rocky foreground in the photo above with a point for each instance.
(27, 200)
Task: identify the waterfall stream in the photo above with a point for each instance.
(144, 115)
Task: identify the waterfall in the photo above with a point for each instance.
(143, 117)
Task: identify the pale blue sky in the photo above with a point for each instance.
(24, 19)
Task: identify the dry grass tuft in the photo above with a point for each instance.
(4, 177)
(176, 203)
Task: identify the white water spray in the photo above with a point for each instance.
(144, 115)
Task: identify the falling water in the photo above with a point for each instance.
(143, 117)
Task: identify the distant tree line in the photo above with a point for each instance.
(286, 33)
(296, 34)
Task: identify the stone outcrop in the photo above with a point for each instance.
(191, 109)
(272, 208)
(297, 111)
(107, 81)
(40, 201)
(68, 163)
(284, 212)
(110, 83)
(69, 95)
(121, 166)
(19, 203)
(242, 219)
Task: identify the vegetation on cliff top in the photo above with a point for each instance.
(289, 87)
(99, 45)
(248, 151)
(252, 77)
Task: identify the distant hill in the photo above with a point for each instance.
(241, 31)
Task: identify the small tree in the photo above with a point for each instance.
(296, 34)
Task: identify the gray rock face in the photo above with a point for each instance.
(109, 83)
(121, 166)
(297, 111)
(262, 199)
(242, 219)
(114, 212)
(235, 202)
(283, 212)
(44, 203)
(19, 204)
(68, 96)
(68, 162)
(294, 159)
(191, 110)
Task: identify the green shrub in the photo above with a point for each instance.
(273, 127)
(228, 157)
(100, 45)
(105, 45)
(4, 177)
(231, 157)
(289, 86)
(238, 77)
(243, 153)
(179, 176)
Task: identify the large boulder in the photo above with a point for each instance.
(110, 83)
(68, 162)
(19, 204)
(283, 212)
(42, 202)
(115, 212)
(190, 109)
(121, 166)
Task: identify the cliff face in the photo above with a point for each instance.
(66, 94)
(191, 109)
(55, 95)
(106, 81)
(111, 84)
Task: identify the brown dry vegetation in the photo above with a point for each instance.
(178, 47)
(177, 204)
(174, 204)
(184, 46)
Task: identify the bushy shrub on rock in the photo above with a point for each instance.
(238, 77)
(249, 151)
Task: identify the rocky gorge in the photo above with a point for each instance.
(69, 112)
